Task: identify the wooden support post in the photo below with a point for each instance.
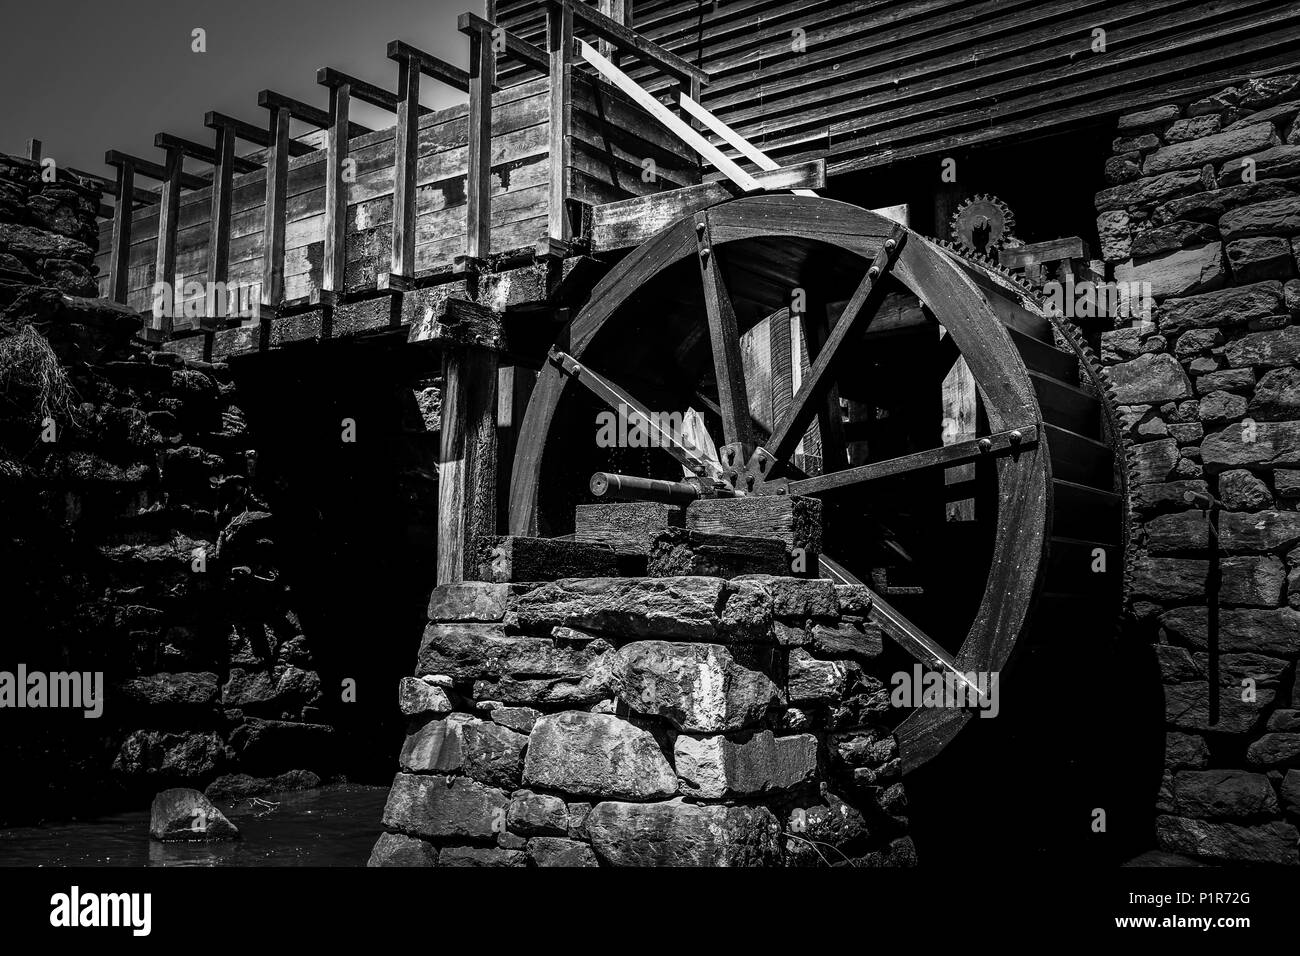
(559, 41)
(617, 11)
(780, 364)
(165, 260)
(482, 73)
(34, 150)
(406, 146)
(119, 260)
(830, 423)
(471, 338)
(334, 268)
(273, 221)
(215, 300)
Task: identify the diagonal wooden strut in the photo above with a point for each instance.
(724, 337)
(856, 316)
(623, 403)
(945, 456)
(906, 634)
(735, 140)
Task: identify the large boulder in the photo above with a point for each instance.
(699, 688)
(682, 834)
(182, 814)
(596, 755)
(397, 849)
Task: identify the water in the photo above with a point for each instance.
(335, 825)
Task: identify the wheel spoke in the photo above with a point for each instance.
(830, 423)
(856, 317)
(724, 337)
(945, 456)
(622, 402)
(902, 631)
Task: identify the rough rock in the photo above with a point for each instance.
(184, 814)
(473, 651)
(417, 696)
(1187, 708)
(481, 856)
(700, 688)
(681, 834)
(537, 814)
(556, 852)
(1266, 843)
(596, 755)
(1277, 395)
(715, 767)
(1153, 461)
(469, 601)
(518, 719)
(1211, 149)
(1273, 749)
(1253, 443)
(486, 751)
(1182, 273)
(444, 807)
(396, 849)
(1260, 531)
(798, 597)
(1170, 579)
(1235, 306)
(1239, 490)
(1277, 217)
(157, 753)
(165, 690)
(1186, 751)
(1149, 379)
(1181, 531)
(810, 679)
(1274, 632)
(684, 607)
(1221, 793)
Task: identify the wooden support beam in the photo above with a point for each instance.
(34, 150)
(479, 181)
(472, 338)
(559, 43)
(165, 257)
(334, 266)
(406, 144)
(521, 50)
(428, 64)
(365, 92)
(690, 104)
(119, 258)
(250, 133)
(617, 12)
(204, 154)
(305, 112)
(152, 170)
(139, 196)
(273, 221)
(629, 41)
(223, 177)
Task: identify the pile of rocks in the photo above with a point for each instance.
(1205, 206)
(136, 542)
(647, 721)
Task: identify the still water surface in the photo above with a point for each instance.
(331, 826)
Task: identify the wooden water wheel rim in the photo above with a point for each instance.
(1023, 477)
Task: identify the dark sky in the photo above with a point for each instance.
(84, 77)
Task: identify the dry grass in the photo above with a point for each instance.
(33, 382)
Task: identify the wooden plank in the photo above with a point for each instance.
(305, 112)
(794, 520)
(679, 551)
(628, 223)
(165, 259)
(656, 109)
(734, 139)
(335, 262)
(428, 64)
(406, 153)
(273, 219)
(511, 559)
(629, 527)
(478, 177)
(219, 226)
(204, 154)
(559, 33)
(121, 236)
(365, 92)
(525, 52)
(724, 339)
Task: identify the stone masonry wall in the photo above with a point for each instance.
(135, 542)
(1205, 205)
(647, 721)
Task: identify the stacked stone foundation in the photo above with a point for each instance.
(647, 721)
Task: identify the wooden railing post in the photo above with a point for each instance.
(273, 221)
(406, 147)
(482, 81)
(559, 44)
(215, 299)
(334, 267)
(165, 259)
(119, 259)
(472, 338)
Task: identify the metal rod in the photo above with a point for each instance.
(633, 488)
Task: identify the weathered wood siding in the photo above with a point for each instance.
(883, 80)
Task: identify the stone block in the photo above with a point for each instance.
(1235, 306)
(682, 834)
(596, 755)
(1149, 379)
(1260, 258)
(1183, 273)
(469, 601)
(397, 849)
(444, 807)
(684, 607)
(716, 767)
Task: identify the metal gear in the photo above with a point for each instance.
(982, 223)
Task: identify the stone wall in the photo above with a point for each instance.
(137, 541)
(647, 721)
(1205, 205)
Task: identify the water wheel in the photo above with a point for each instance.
(998, 533)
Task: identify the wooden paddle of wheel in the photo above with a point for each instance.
(665, 329)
